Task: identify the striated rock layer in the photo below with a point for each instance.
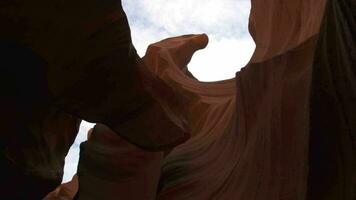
(332, 149)
(279, 130)
(111, 168)
(283, 129)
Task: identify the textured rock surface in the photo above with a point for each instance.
(62, 62)
(86, 51)
(253, 143)
(65, 191)
(332, 152)
(243, 145)
(283, 129)
(111, 168)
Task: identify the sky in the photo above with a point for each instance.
(224, 21)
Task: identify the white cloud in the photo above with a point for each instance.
(226, 18)
(221, 59)
(225, 21)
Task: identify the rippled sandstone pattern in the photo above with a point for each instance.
(286, 130)
(283, 129)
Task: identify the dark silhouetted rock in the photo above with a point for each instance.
(65, 191)
(283, 129)
(63, 61)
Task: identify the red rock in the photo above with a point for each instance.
(267, 138)
(65, 191)
(283, 129)
(111, 168)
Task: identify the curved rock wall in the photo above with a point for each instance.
(283, 129)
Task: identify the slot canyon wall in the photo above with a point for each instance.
(283, 129)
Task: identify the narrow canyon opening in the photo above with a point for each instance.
(224, 21)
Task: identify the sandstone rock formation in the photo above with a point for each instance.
(275, 137)
(283, 142)
(111, 168)
(261, 135)
(62, 62)
(65, 191)
(283, 129)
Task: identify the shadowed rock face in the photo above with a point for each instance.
(88, 51)
(65, 191)
(332, 150)
(62, 62)
(275, 134)
(283, 129)
(264, 145)
(35, 136)
(111, 168)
